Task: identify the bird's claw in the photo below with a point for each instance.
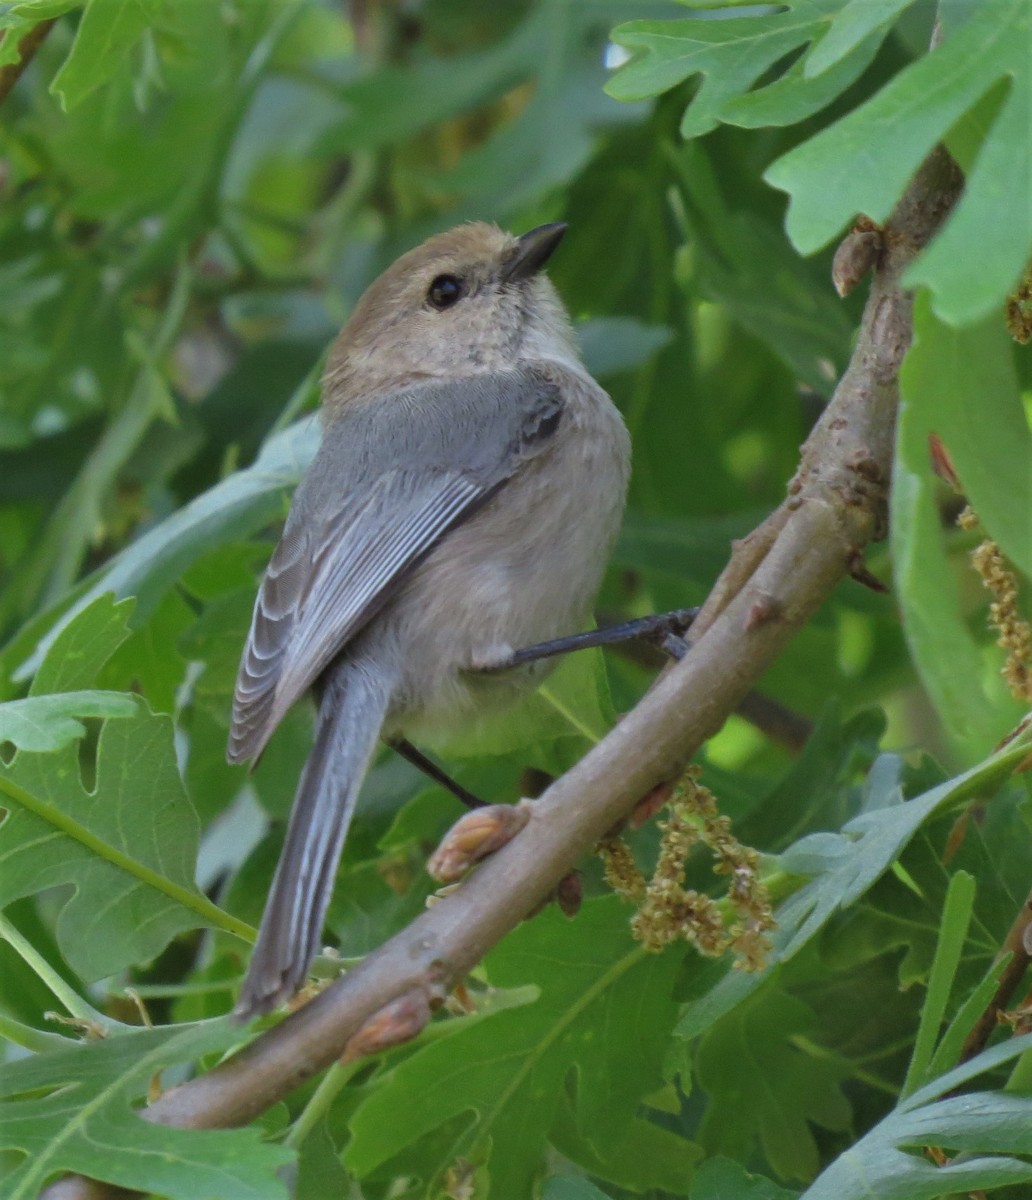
(669, 629)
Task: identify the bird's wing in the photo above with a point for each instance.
(389, 481)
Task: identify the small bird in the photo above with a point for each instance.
(463, 503)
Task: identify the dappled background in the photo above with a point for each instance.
(190, 204)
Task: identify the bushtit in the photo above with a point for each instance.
(462, 504)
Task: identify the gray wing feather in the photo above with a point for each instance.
(363, 518)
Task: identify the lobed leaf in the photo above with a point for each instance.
(850, 28)
(73, 1110)
(731, 55)
(572, 703)
(44, 723)
(796, 95)
(506, 1073)
(862, 163)
(763, 1089)
(127, 844)
(889, 1161)
(20, 18)
(723, 1179)
(640, 1156)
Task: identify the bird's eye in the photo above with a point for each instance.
(444, 291)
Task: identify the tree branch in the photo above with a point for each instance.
(776, 579)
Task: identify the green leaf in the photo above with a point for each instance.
(556, 49)
(796, 95)
(883, 1162)
(640, 1156)
(320, 1173)
(237, 506)
(129, 846)
(815, 791)
(745, 264)
(988, 1060)
(216, 639)
(730, 55)
(953, 930)
(14, 29)
(945, 653)
(146, 662)
(523, 158)
(764, 1089)
(962, 385)
(50, 722)
(572, 703)
(58, 557)
(83, 645)
(365, 910)
(849, 29)
(949, 1049)
(939, 394)
(685, 548)
(845, 865)
(399, 101)
(611, 344)
(127, 840)
(73, 1110)
(605, 1010)
(107, 31)
(724, 1179)
(17, 20)
(41, 10)
(966, 287)
(862, 163)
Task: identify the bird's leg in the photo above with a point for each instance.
(418, 759)
(484, 831)
(666, 630)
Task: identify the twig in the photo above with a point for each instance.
(775, 581)
(27, 47)
(1017, 943)
(776, 720)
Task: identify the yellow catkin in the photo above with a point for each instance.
(1014, 635)
(668, 911)
(1019, 310)
(621, 871)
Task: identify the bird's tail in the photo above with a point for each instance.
(351, 713)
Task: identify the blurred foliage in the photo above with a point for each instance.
(192, 197)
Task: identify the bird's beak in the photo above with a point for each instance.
(533, 250)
